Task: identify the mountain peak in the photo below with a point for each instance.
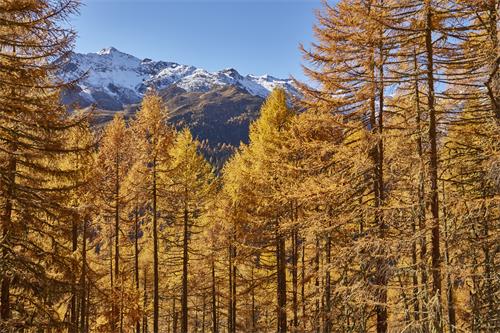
(108, 50)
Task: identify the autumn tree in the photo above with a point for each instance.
(190, 179)
(154, 137)
(114, 160)
(36, 247)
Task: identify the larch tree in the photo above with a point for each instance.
(114, 160)
(154, 138)
(36, 246)
(191, 185)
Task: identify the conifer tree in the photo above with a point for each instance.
(191, 186)
(115, 161)
(154, 138)
(36, 269)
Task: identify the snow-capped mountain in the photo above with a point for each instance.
(112, 79)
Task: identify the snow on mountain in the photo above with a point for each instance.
(112, 79)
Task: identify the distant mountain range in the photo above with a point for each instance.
(217, 106)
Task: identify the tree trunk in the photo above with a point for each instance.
(145, 303)
(230, 311)
(327, 325)
(156, 299)
(136, 261)
(74, 296)
(452, 322)
(281, 280)
(433, 167)
(253, 314)
(112, 285)
(381, 309)
(174, 314)
(295, 254)
(83, 288)
(215, 329)
(317, 323)
(115, 291)
(421, 198)
(303, 284)
(185, 259)
(493, 84)
(5, 312)
(233, 325)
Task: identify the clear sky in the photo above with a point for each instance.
(253, 36)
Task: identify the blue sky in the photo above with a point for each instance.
(255, 37)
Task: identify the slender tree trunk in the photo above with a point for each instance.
(230, 311)
(253, 314)
(215, 328)
(185, 259)
(381, 309)
(174, 313)
(203, 315)
(87, 313)
(421, 199)
(116, 310)
(136, 261)
(145, 302)
(281, 280)
(156, 298)
(493, 87)
(233, 325)
(83, 288)
(492, 83)
(74, 296)
(112, 284)
(303, 284)
(317, 323)
(414, 275)
(452, 322)
(295, 254)
(6, 225)
(295, 260)
(327, 325)
(433, 167)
